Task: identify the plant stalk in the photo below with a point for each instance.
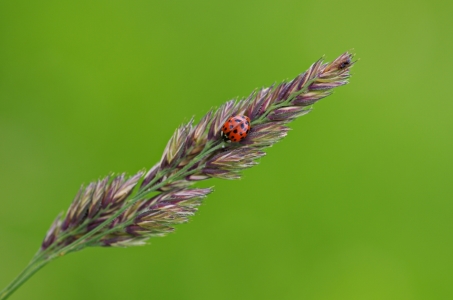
(41, 259)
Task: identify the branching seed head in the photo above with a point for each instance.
(120, 211)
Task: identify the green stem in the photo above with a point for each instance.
(33, 266)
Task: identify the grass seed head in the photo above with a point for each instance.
(193, 153)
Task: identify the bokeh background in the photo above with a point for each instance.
(356, 203)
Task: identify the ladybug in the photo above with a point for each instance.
(236, 128)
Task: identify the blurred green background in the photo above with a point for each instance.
(355, 203)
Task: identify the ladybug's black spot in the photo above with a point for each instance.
(235, 131)
(242, 125)
(231, 126)
(237, 120)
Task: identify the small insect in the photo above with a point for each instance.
(236, 128)
(344, 64)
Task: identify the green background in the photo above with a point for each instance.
(356, 203)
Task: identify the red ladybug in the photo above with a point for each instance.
(236, 128)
